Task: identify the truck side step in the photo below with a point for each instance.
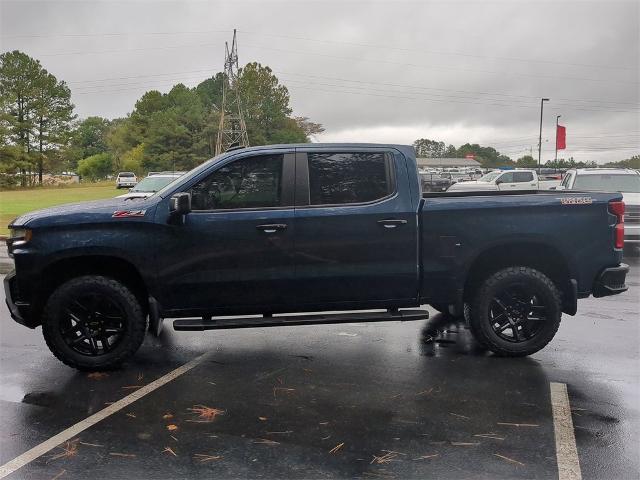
(197, 324)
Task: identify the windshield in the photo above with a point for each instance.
(608, 182)
(126, 174)
(153, 184)
(489, 177)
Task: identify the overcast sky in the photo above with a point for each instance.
(374, 71)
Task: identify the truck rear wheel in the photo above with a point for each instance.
(516, 311)
(93, 323)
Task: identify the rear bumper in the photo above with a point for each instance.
(20, 311)
(611, 281)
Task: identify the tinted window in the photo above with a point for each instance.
(252, 182)
(522, 176)
(507, 178)
(336, 178)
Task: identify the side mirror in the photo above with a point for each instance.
(499, 181)
(180, 203)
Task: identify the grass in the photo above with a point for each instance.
(17, 202)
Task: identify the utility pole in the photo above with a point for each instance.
(232, 130)
(540, 135)
(557, 118)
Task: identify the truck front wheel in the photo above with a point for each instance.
(516, 311)
(93, 323)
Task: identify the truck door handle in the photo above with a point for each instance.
(272, 227)
(391, 223)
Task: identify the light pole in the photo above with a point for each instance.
(540, 135)
(557, 118)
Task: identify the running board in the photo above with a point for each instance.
(197, 324)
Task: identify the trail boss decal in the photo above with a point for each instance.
(576, 200)
(128, 213)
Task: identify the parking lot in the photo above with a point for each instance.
(383, 400)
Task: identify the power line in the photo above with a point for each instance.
(475, 70)
(335, 42)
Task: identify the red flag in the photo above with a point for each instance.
(561, 138)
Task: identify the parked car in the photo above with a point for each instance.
(499, 180)
(435, 182)
(151, 184)
(126, 180)
(304, 228)
(623, 180)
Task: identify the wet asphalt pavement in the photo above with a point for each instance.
(381, 400)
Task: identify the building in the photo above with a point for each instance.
(447, 162)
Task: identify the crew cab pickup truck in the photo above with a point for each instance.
(499, 180)
(309, 228)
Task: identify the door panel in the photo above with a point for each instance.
(228, 257)
(354, 252)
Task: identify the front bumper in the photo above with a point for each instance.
(19, 310)
(611, 281)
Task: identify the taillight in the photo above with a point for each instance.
(617, 208)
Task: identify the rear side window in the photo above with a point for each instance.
(341, 178)
(522, 177)
(250, 182)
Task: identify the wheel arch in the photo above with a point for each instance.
(535, 254)
(63, 269)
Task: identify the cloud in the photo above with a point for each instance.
(368, 70)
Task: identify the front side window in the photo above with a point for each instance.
(339, 178)
(507, 177)
(521, 177)
(251, 182)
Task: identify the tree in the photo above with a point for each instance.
(88, 137)
(133, 160)
(426, 148)
(53, 112)
(527, 162)
(95, 167)
(308, 127)
(36, 108)
(266, 106)
(633, 162)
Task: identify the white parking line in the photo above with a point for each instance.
(566, 450)
(39, 450)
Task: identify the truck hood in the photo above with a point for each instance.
(86, 212)
(471, 186)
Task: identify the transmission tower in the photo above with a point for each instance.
(232, 130)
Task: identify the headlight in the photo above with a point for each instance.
(18, 236)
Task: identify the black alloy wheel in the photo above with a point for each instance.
(94, 324)
(517, 313)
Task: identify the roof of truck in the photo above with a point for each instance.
(615, 171)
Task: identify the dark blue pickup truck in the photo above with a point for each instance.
(258, 232)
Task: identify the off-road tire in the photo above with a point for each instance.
(480, 322)
(132, 338)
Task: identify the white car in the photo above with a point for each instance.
(151, 184)
(126, 180)
(500, 180)
(623, 180)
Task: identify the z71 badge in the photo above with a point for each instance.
(576, 200)
(128, 213)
